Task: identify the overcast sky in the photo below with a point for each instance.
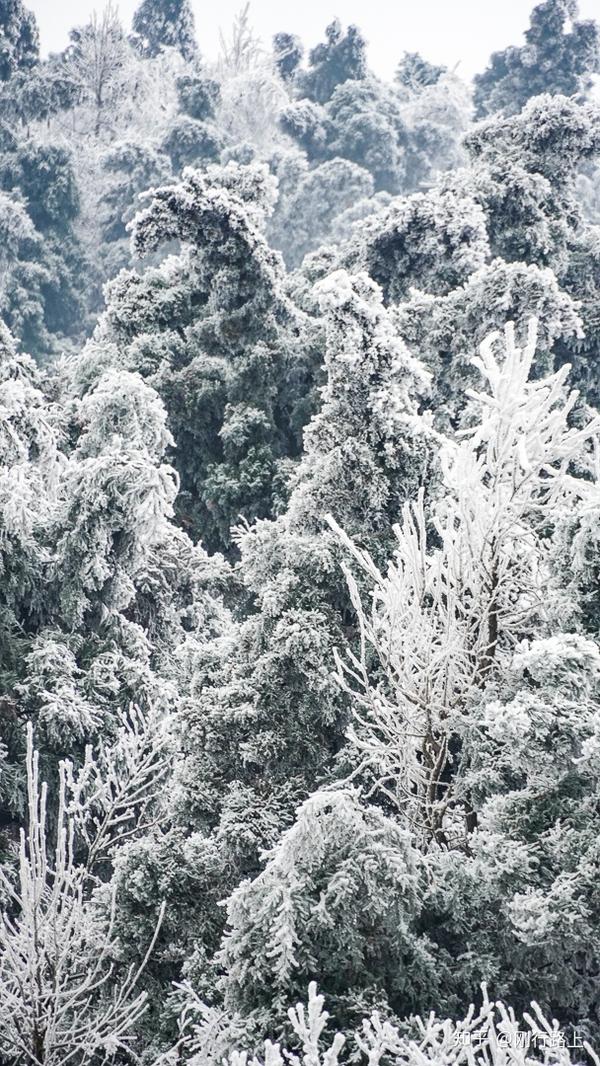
(444, 31)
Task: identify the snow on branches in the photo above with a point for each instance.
(62, 999)
(468, 580)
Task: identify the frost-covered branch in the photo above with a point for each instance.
(61, 999)
(443, 618)
(491, 1036)
(114, 794)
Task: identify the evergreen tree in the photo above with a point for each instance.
(51, 260)
(526, 182)
(264, 717)
(338, 896)
(561, 55)
(364, 124)
(159, 24)
(341, 57)
(86, 503)
(210, 328)
(308, 206)
(433, 241)
(194, 137)
(414, 73)
(288, 51)
(19, 39)
(362, 745)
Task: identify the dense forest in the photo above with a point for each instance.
(299, 548)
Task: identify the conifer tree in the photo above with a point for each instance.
(530, 161)
(159, 24)
(340, 58)
(462, 615)
(561, 55)
(19, 39)
(288, 51)
(263, 717)
(85, 628)
(211, 328)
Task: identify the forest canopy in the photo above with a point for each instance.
(299, 548)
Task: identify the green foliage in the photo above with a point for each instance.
(337, 896)
(209, 327)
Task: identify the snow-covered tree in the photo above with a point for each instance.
(340, 58)
(208, 327)
(19, 39)
(415, 73)
(60, 998)
(159, 24)
(43, 300)
(530, 162)
(492, 1032)
(445, 618)
(98, 64)
(252, 92)
(263, 716)
(443, 330)
(561, 55)
(308, 206)
(288, 51)
(337, 897)
(432, 241)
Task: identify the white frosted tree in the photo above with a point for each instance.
(62, 1000)
(491, 1035)
(99, 64)
(467, 582)
(252, 92)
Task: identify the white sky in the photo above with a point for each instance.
(444, 31)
